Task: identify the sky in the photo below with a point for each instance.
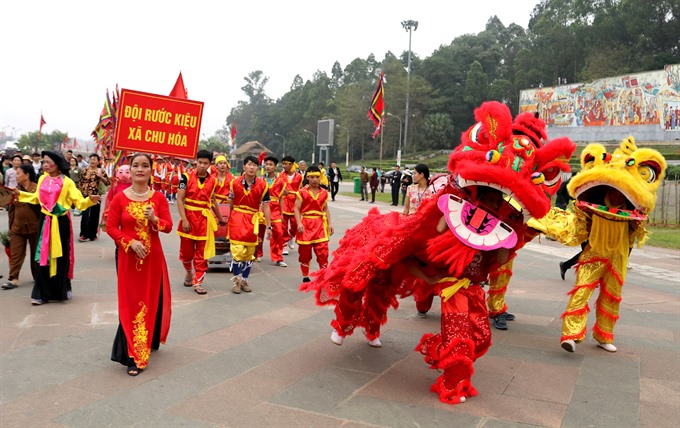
(60, 57)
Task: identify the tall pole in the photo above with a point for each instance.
(313, 143)
(284, 142)
(409, 26)
(347, 148)
(400, 125)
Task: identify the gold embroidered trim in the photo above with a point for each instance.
(140, 338)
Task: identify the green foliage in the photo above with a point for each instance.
(31, 143)
(566, 41)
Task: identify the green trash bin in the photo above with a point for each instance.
(357, 185)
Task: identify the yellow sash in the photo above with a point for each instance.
(211, 227)
(258, 216)
(449, 291)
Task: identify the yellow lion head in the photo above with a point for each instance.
(629, 175)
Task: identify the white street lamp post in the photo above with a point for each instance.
(284, 142)
(409, 26)
(399, 150)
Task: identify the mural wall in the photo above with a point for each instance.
(649, 98)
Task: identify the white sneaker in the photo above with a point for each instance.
(375, 343)
(609, 347)
(569, 345)
(336, 338)
(291, 245)
(285, 251)
(282, 264)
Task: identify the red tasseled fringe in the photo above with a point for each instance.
(494, 315)
(601, 310)
(576, 337)
(592, 285)
(604, 293)
(497, 290)
(616, 275)
(601, 334)
(497, 273)
(464, 388)
(583, 311)
(594, 259)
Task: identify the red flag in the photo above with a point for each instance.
(233, 133)
(42, 122)
(376, 113)
(179, 90)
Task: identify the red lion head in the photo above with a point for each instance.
(508, 173)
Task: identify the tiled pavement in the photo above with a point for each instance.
(265, 358)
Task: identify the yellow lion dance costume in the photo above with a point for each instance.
(614, 193)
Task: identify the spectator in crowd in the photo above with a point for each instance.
(374, 184)
(334, 178)
(37, 164)
(406, 180)
(395, 184)
(24, 223)
(363, 183)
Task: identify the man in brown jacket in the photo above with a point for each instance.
(363, 181)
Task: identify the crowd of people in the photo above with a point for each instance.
(288, 208)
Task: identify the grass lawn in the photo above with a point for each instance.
(659, 236)
(664, 236)
(379, 197)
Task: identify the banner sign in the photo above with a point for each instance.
(158, 124)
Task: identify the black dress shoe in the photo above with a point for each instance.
(563, 270)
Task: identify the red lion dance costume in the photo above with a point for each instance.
(474, 223)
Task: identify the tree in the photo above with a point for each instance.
(475, 85)
(31, 143)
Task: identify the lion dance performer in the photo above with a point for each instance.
(614, 194)
(450, 245)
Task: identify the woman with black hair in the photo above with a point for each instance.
(55, 193)
(419, 190)
(90, 179)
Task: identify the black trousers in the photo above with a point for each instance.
(334, 189)
(395, 194)
(89, 222)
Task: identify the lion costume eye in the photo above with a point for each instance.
(648, 171)
(474, 132)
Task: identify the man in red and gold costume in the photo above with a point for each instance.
(449, 246)
(313, 220)
(276, 184)
(248, 193)
(223, 177)
(293, 181)
(195, 201)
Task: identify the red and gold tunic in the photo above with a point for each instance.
(275, 190)
(141, 281)
(244, 217)
(313, 216)
(222, 188)
(197, 205)
(169, 168)
(177, 172)
(293, 185)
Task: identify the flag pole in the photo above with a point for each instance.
(382, 129)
